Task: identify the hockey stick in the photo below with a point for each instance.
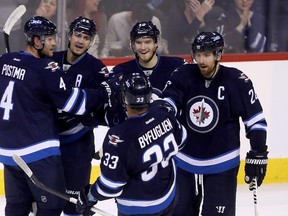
(21, 163)
(10, 22)
(255, 198)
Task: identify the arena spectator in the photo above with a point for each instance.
(185, 19)
(117, 41)
(90, 9)
(244, 28)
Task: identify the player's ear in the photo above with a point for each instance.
(132, 46)
(218, 56)
(37, 42)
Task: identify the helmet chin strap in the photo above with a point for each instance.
(217, 59)
(40, 50)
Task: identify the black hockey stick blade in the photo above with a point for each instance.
(6, 41)
(21, 163)
(10, 22)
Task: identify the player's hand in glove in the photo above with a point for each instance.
(84, 204)
(113, 90)
(115, 111)
(255, 166)
(108, 92)
(115, 81)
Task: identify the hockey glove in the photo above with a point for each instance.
(94, 119)
(83, 205)
(115, 112)
(255, 166)
(108, 92)
(113, 90)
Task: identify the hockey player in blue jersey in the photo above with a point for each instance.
(31, 90)
(210, 99)
(144, 38)
(77, 140)
(137, 167)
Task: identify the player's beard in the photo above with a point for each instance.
(45, 52)
(208, 71)
(148, 58)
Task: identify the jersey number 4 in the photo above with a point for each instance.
(6, 100)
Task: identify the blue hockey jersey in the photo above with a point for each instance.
(210, 111)
(157, 75)
(31, 90)
(86, 72)
(137, 167)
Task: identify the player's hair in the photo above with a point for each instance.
(208, 41)
(84, 25)
(144, 29)
(136, 90)
(39, 26)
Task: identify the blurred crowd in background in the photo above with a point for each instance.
(246, 25)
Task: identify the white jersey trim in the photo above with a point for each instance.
(127, 202)
(30, 149)
(209, 162)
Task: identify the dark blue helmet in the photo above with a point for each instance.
(84, 25)
(144, 29)
(136, 90)
(39, 26)
(208, 41)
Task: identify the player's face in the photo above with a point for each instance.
(206, 63)
(244, 5)
(79, 43)
(47, 8)
(145, 48)
(49, 46)
(91, 5)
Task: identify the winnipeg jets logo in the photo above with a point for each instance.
(148, 72)
(244, 77)
(53, 66)
(66, 67)
(202, 114)
(104, 71)
(114, 140)
(36, 22)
